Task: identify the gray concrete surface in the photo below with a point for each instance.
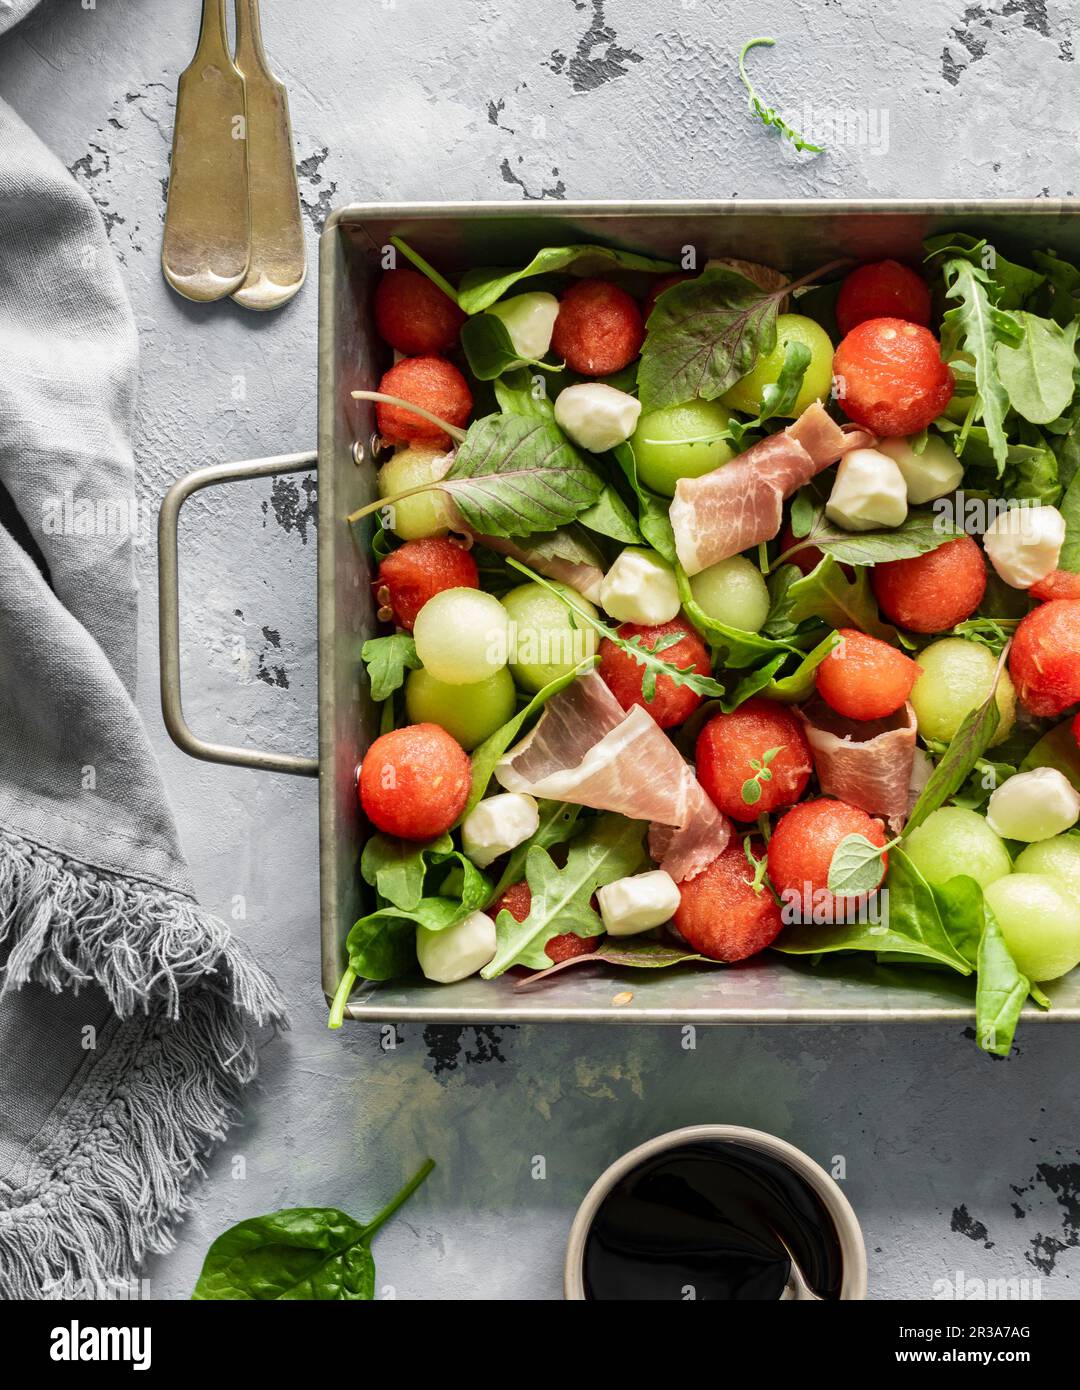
(961, 1168)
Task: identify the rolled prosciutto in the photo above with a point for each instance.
(740, 504)
(867, 763)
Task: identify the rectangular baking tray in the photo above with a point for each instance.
(792, 236)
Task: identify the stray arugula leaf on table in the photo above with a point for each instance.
(766, 114)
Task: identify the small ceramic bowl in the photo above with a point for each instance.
(845, 1222)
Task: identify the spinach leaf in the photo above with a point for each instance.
(482, 286)
(735, 647)
(796, 685)
(308, 1253)
(490, 752)
(488, 347)
(522, 392)
(966, 747)
(1038, 371)
(1001, 991)
(920, 532)
(1069, 558)
(387, 659)
(611, 848)
(634, 954)
(652, 509)
(396, 868)
(610, 516)
(960, 906)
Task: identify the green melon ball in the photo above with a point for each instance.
(954, 841)
(1059, 856)
(429, 513)
(470, 713)
(733, 592)
(543, 643)
(746, 394)
(680, 441)
(957, 676)
(1040, 921)
(461, 636)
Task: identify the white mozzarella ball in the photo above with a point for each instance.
(869, 492)
(640, 588)
(597, 416)
(458, 951)
(1024, 543)
(1033, 805)
(498, 824)
(638, 903)
(934, 473)
(530, 322)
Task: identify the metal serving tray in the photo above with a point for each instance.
(794, 236)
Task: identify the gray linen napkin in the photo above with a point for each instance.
(128, 1016)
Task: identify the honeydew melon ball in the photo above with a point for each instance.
(746, 394)
(1040, 921)
(544, 644)
(428, 513)
(957, 676)
(954, 841)
(470, 713)
(733, 592)
(1058, 857)
(461, 636)
(680, 441)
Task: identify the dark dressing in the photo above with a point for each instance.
(699, 1222)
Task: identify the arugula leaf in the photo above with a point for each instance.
(387, 659)
(1038, 371)
(966, 747)
(396, 868)
(920, 532)
(975, 325)
(487, 755)
(558, 823)
(611, 848)
(652, 509)
(646, 654)
(777, 399)
(827, 593)
(634, 954)
(482, 286)
(309, 1253)
(766, 114)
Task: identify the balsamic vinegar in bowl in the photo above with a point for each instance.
(702, 1221)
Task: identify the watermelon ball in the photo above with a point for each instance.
(719, 913)
(431, 382)
(932, 592)
(417, 571)
(518, 902)
(865, 678)
(803, 844)
(664, 282)
(414, 782)
(890, 377)
(413, 315)
(599, 328)
(1057, 584)
(729, 744)
(882, 290)
(624, 674)
(1044, 659)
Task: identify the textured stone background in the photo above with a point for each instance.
(954, 1162)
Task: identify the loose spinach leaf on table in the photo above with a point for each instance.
(483, 285)
(610, 848)
(300, 1253)
(387, 659)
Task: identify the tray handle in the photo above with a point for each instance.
(169, 613)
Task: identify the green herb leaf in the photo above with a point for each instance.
(515, 475)
(558, 823)
(488, 347)
(482, 286)
(610, 516)
(653, 517)
(766, 114)
(855, 867)
(634, 954)
(522, 392)
(611, 848)
(751, 791)
(966, 747)
(301, 1253)
(1001, 991)
(920, 532)
(828, 594)
(396, 868)
(387, 659)
(797, 685)
(1069, 559)
(425, 268)
(1038, 371)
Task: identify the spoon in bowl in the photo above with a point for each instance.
(796, 1290)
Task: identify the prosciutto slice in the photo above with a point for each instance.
(580, 575)
(867, 763)
(740, 504)
(588, 750)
